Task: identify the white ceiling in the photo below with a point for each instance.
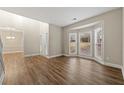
(60, 16)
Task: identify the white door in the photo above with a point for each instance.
(72, 43)
(85, 44)
(98, 43)
(44, 44)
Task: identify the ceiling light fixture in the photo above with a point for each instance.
(10, 37)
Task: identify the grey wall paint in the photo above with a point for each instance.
(31, 37)
(55, 40)
(12, 45)
(32, 31)
(123, 43)
(30, 27)
(10, 21)
(112, 35)
(112, 29)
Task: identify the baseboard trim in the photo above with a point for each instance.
(44, 56)
(85, 57)
(101, 62)
(55, 56)
(113, 65)
(66, 55)
(13, 52)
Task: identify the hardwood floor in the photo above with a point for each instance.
(61, 70)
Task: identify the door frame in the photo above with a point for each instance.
(47, 44)
(91, 42)
(102, 44)
(73, 33)
(89, 25)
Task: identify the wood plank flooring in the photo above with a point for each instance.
(20, 70)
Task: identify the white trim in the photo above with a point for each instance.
(123, 72)
(113, 65)
(99, 61)
(2, 78)
(12, 52)
(91, 42)
(29, 55)
(95, 59)
(73, 33)
(67, 55)
(86, 25)
(46, 56)
(47, 39)
(39, 55)
(101, 22)
(55, 56)
(86, 57)
(102, 29)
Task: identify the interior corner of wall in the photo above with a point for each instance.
(123, 71)
(112, 65)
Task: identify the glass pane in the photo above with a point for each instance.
(72, 43)
(85, 44)
(98, 43)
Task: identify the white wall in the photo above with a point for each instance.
(30, 27)
(112, 34)
(55, 40)
(31, 37)
(11, 24)
(32, 30)
(12, 45)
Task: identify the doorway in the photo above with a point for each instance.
(73, 44)
(44, 44)
(98, 43)
(87, 44)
